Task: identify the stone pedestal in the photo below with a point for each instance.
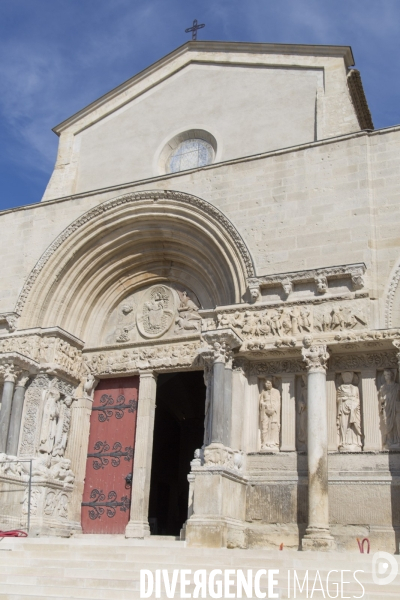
(138, 526)
(317, 535)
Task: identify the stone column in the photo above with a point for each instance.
(6, 404)
(332, 411)
(222, 342)
(370, 411)
(288, 431)
(78, 440)
(239, 382)
(16, 414)
(227, 418)
(317, 536)
(218, 398)
(138, 526)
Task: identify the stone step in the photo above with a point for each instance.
(131, 564)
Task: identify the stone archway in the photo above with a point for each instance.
(129, 242)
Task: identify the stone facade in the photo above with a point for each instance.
(274, 270)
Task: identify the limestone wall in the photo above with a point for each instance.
(327, 204)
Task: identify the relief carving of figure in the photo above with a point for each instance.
(302, 413)
(348, 414)
(389, 404)
(270, 408)
(49, 421)
(63, 425)
(188, 318)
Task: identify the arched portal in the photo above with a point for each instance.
(129, 242)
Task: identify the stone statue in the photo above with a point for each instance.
(302, 413)
(270, 408)
(49, 420)
(348, 414)
(188, 318)
(389, 404)
(63, 425)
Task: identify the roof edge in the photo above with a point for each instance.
(359, 99)
(213, 46)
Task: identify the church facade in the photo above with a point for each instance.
(200, 321)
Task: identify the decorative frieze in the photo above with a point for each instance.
(135, 359)
(48, 349)
(320, 278)
(366, 360)
(284, 326)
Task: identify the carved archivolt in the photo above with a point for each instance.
(146, 232)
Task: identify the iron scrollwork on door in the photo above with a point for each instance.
(108, 408)
(102, 455)
(99, 504)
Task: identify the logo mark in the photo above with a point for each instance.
(384, 568)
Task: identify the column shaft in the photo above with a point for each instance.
(317, 535)
(5, 413)
(370, 411)
(138, 526)
(332, 410)
(218, 401)
(227, 417)
(288, 431)
(15, 420)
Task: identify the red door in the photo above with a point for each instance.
(109, 466)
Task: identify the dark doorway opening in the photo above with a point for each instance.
(178, 432)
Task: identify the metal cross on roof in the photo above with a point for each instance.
(194, 29)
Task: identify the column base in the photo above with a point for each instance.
(319, 539)
(137, 529)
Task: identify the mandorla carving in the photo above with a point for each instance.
(314, 355)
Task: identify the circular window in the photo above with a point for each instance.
(190, 154)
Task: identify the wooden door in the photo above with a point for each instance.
(109, 466)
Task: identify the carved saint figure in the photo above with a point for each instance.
(62, 430)
(270, 408)
(302, 412)
(155, 308)
(49, 421)
(389, 404)
(348, 414)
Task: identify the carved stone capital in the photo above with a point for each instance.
(22, 379)
(9, 372)
(222, 342)
(315, 356)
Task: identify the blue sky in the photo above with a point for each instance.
(57, 56)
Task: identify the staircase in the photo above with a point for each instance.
(108, 567)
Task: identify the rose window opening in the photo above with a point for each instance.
(190, 154)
